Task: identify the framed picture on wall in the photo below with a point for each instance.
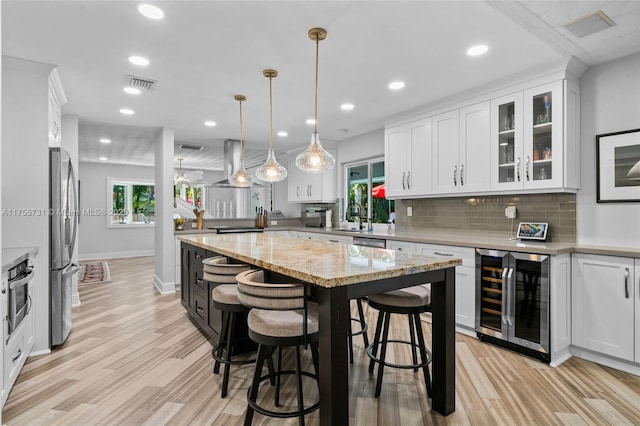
(618, 166)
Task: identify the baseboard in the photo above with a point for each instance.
(163, 288)
(42, 352)
(75, 300)
(115, 254)
(559, 359)
(617, 363)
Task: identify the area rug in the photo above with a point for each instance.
(94, 273)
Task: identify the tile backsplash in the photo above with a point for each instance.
(487, 214)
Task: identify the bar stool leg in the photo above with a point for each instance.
(314, 355)
(350, 339)
(253, 391)
(272, 371)
(383, 353)
(299, 380)
(363, 323)
(277, 402)
(223, 336)
(413, 341)
(227, 367)
(423, 353)
(376, 340)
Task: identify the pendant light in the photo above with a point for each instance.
(271, 170)
(315, 159)
(241, 178)
(180, 179)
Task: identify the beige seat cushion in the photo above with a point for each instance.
(253, 291)
(283, 323)
(221, 266)
(410, 297)
(226, 293)
(219, 278)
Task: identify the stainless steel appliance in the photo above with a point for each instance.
(19, 297)
(63, 225)
(512, 303)
(314, 217)
(370, 242)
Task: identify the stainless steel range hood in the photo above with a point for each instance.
(231, 163)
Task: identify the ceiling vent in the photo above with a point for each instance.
(141, 83)
(190, 147)
(589, 24)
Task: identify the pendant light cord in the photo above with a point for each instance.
(270, 114)
(241, 138)
(315, 117)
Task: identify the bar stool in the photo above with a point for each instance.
(412, 302)
(225, 299)
(281, 317)
(363, 329)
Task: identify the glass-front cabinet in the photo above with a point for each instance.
(527, 142)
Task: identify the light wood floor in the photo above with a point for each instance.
(134, 358)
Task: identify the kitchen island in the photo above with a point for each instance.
(341, 272)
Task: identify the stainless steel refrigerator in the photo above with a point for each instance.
(63, 226)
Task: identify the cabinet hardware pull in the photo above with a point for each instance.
(442, 254)
(200, 310)
(626, 283)
(309, 190)
(333, 241)
(455, 173)
(15, 358)
(198, 256)
(509, 296)
(408, 180)
(403, 187)
(505, 287)
(518, 169)
(527, 168)
(199, 281)
(461, 174)
(399, 249)
(297, 190)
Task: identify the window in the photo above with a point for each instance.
(132, 203)
(192, 195)
(365, 193)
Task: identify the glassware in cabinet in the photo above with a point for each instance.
(542, 136)
(506, 142)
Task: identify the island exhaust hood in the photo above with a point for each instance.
(231, 163)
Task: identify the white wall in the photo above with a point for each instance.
(610, 102)
(96, 240)
(25, 174)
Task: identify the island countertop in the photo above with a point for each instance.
(322, 263)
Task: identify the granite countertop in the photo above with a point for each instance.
(14, 255)
(318, 262)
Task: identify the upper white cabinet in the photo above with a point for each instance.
(310, 187)
(604, 299)
(532, 136)
(461, 150)
(57, 98)
(407, 149)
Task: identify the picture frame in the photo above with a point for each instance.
(618, 167)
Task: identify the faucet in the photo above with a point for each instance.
(355, 212)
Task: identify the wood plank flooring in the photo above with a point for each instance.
(134, 358)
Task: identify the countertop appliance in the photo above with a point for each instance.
(63, 226)
(370, 242)
(314, 217)
(235, 229)
(512, 303)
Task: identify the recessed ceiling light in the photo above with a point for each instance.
(139, 60)
(310, 121)
(480, 49)
(346, 107)
(151, 11)
(105, 140)
(396, 85)
(283, 134)
(210, 123)
(126, 111)
(103, 158)
(132, 90)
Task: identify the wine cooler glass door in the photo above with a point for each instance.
(492, 292)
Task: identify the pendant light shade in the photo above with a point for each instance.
(271, 170)
(315, 159)
(180, 178)
(241, 178)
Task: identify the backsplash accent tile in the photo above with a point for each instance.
(487, 214)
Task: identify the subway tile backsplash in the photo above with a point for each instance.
(487, 214)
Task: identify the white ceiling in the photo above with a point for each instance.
(204, 52)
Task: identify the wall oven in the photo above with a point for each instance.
(19, 297)
(512, 303)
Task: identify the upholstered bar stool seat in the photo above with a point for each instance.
(281, 317)
(411, 301)
(224, 297)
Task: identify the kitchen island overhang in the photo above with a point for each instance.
(341, 272)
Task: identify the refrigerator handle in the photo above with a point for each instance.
(511, 286)
(74, 212)
(505, 298)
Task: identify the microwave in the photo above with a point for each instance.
(314, 218)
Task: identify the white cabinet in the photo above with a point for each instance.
(407, 151)
(178, 262)
(310, 187)
(636, 286)
(605, 305)
(465, 280)
(401, 246)
(461, 150)
(313, 236)
(57, 98)
(534, 140)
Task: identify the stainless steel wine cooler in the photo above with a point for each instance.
(512, 303)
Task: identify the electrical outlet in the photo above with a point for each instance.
(409, 211)
(510, 212)
(274, 222)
